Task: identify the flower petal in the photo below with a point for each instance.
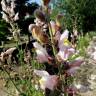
(76, 63)
(42, 55)
(72, 70)
(39, 47)
(64, 35)
(62, 43)
(52, 82)
(41, 73)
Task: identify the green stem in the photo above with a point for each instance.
(50, 32)
(52, 41)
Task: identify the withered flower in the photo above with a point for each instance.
(59, 18)
(40, 15)
(38, 34)
(45, 2)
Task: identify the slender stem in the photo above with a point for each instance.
(52, 41)
(50, 32)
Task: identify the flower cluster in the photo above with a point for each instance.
(8, 12)
(10, 15)
(53, 49)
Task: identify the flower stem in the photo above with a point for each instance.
(50, 32)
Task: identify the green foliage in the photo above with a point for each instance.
(3, 30)
(82, 13)
(83, 42)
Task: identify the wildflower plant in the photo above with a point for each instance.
(54, 50)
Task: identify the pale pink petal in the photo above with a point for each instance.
(39, 47)
(63, 55)
(72, 70)
(77, 62)
(57, 36)
(47, 81)
(63, 36)
(41, 73)
(42, 55)
(65, 52)
(52, 82)
(74, 66)
(71, 50)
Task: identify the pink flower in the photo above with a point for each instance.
(63, 41)
(47, 81)
(74, 66)
(65, 49)
(42, 55)
(65, 53)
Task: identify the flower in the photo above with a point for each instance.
(45, 2)
(59, 18)
(42, 55)
(55, 27)
(64, 54)
(40, 15)
(47, 81)
(74, 66)
(65, 49)
(38, 34)
(63, 38)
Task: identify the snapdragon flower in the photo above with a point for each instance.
(74, 66)
(47, 81)
(65, 49)
(42, 55)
